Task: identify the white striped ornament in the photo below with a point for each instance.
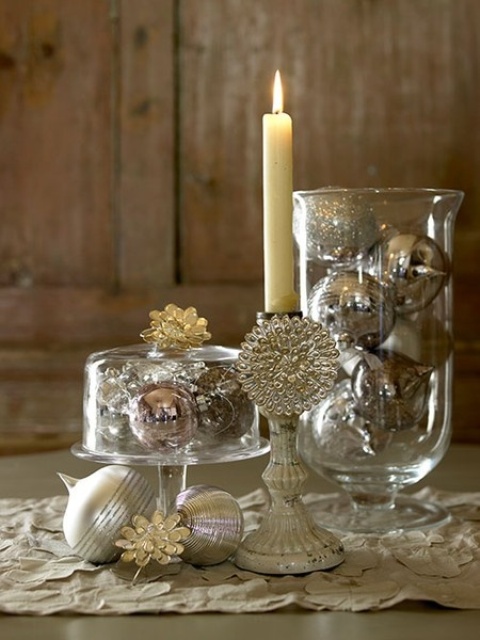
(99, 506)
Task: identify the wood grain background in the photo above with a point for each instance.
(130, 166)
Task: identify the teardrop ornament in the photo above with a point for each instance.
(99, 506)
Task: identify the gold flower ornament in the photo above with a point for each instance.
(157, 539)
(176, 327)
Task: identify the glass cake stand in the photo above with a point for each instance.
(167, 408)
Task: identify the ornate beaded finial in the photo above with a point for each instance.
(287, 365)
(159, 539)
(176, 327)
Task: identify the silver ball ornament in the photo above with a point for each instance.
(339, 432)
(417, 267)
(356, 308)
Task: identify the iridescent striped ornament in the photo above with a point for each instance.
(215, 520)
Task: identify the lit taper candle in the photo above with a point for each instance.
(280, 296)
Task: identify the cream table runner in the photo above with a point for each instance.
(38, 574)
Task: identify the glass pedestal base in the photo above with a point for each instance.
(173, 465)
(287, 540)
(406, 514)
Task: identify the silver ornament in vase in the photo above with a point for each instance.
(335, 430)
(355, 307)
(392, 393)
(417, 267)
(99, 506)
(338, 228)
(215, 520)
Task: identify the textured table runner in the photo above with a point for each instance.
(39, 575)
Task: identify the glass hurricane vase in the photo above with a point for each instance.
(375, 269)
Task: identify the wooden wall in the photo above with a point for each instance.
(130, 165)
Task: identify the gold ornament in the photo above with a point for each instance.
(176, 327)
(157, 539)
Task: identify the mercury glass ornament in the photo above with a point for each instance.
(216, 523)
(356, 308)
(224, 408)
(335, 229)
(418, 268)
(392, 393)
(99, 506)
(336, 426)
(405, 402)
(164, 416)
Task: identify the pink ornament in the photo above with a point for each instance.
(164, 416)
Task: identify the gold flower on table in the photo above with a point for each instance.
(287, 365)
(157, 539)
(176, 327)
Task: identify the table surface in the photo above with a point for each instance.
(34, 476)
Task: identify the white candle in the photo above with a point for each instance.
(280, 295)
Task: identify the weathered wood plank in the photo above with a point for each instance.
(52, 317)
(59, 316)
(145, 181)
(221, 100)
(41, 396)
(55, 143)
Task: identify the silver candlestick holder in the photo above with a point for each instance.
(286, 365)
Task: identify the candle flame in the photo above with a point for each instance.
(277, 94)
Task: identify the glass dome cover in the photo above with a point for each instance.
(145, 405)
(169, 402)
